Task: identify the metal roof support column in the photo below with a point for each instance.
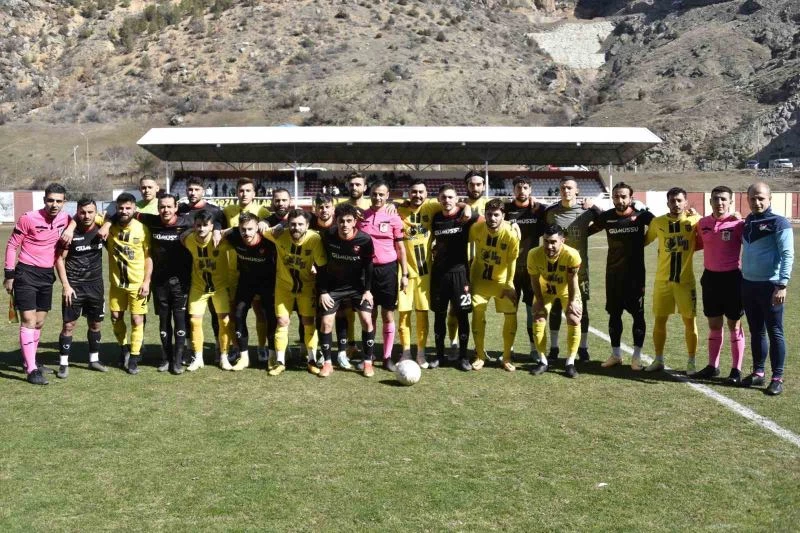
(166, 174)
(296, 188)
(486, 178)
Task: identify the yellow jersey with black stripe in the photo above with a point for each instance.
(128, 248)
(495, 253)
(478, 206)
(233, 211)
(677, 237)
(210, 265)
(553, 278)
(296, 260)
(417, 236)
(362, 203)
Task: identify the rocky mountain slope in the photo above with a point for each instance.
(718, 80)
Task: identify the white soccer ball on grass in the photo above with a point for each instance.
(408, 372)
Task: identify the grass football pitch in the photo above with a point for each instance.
(612, 450)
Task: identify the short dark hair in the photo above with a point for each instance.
(203, 217)
(297, 212)
(379, 183)
(567, 178)
(354, 175)
(55, 188)
(446, 187)
(245, 181)
(148, 177)
(553, 229)
(720, 189)
(622, 185)
(473, 174)
(346, 209)
(417, 181)
(194, 180)
(126, 198)
(280, 189)
(495, 204)
(322, 198)
(163, 194)
(521, 179)
(246, 216)
(675, 191)
(85, 200)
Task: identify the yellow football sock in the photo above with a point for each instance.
(422, 329)
(281, 338)
(224, 333)
(540, 335)
(660, 334)
(573, 339)
(452, 327)
(405, 330)
(120, 331)
(196, 326)
(479, 330)
(509, 332)
(690, 333)
(137, 338)
(310, 337)
(261, 331)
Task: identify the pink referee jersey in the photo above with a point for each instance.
(35, 235)
(721, 240)
(384, 229)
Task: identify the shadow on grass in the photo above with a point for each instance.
(391, 383)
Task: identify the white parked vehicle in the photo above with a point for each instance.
(781, 163)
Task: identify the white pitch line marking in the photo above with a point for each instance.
(733, 405)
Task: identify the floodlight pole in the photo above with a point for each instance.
(296, 188)
(610, 178)
(486, 178)
(166, 175)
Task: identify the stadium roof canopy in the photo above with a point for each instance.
(412, 145)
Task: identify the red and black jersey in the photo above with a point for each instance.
(349, 265)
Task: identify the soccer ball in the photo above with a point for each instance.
(408, 372)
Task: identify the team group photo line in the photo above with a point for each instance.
(366, 256)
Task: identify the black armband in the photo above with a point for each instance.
(9, 273)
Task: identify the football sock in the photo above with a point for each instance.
(196, 323)
(311, 339)
(137, 337)
(325, 344)
(280, 355)
(422, 330)
(405, 330)
(540, 337)
(120, 331)
(637, 352)
(281, 338)
(690, 334)
(509, 332)
(616, 351)
(584, 343)
(261, 330)
(463, 334)
(737, 348)
(28, 347)
(570, 360)
(439, 332)
(529, 323)
(452, 327)
(63, 360)
(93, 338)
(94, 357)
(368, 342)
(615, 328)
(660, 334)
(225, 333)
(479, 330)
(37, 334)
(715, 337)
(341, 333)
(64, 344)
(388, 339)
(639, 328)
(350, 316)
(573, 339)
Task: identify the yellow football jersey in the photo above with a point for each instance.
(495, 253)
(297, 259)
(210, 267)
(478, 206)
(128, 247)
(553, 272)
(233, 211)
(417, 236)
(363, 203)
(676, 245)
